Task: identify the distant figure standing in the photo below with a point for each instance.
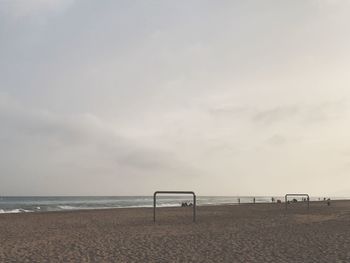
(328, 201)
(272, 199)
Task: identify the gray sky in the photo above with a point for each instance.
(128, 97)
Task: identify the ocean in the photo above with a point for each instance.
(21, 204)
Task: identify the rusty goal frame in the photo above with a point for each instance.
(174, 192)
(307, 198)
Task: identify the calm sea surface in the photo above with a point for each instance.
(58, 203)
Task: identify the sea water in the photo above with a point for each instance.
(16, 204)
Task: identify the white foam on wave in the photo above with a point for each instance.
(14, 211)
(68, 207)
(168, 205)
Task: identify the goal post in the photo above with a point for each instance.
(297, 195)
(174, 192)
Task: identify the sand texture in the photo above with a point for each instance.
(244, 233)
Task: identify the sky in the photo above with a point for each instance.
(219, 97)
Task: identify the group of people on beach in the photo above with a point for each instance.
(185, 204)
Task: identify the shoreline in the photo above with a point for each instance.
(169, 207)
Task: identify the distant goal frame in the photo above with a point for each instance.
(297, 195)
(174, 192)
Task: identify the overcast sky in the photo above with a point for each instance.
(220, 97)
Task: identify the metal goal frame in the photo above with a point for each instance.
(298, 195)
(174, 192)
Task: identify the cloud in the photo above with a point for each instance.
(302, 113)
(24, 8)
(112, 93)
(229, 110)
(81, 145)
(277, 139)
(297, 113)
(277, 114)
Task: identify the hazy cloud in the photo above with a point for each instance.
(112, 97)
(18, 9)
(306, 114)
(283, 113)
(79, 142)
(277, 139)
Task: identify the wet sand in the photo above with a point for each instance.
(244, 233)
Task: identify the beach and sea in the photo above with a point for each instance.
(68, 229)
(23, 204)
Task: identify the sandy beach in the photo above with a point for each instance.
(244, 233)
